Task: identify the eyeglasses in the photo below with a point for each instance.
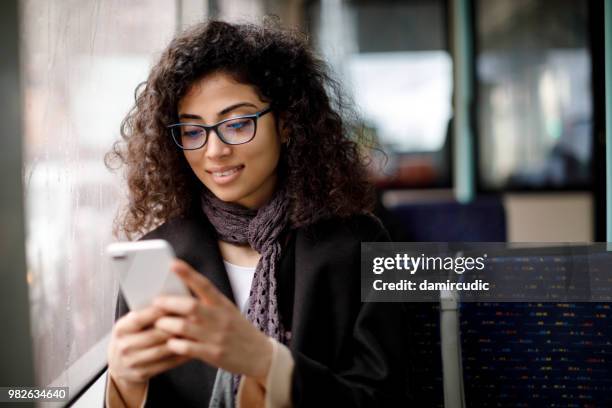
(232, 131)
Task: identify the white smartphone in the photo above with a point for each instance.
(144, 271)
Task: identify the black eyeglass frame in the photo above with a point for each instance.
(207, 128)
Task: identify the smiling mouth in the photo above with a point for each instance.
(227, 172)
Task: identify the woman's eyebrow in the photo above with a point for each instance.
(189, 116)
(235, 106)
(225, 111)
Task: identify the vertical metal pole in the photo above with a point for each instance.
(463, 147)
(608, 68)
(16, 368)
(450, 337)
(450, 344)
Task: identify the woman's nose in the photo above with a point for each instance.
(215, 147)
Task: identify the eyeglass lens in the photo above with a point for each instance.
(236, 131)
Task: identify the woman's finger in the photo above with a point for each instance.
(144, 339)
(179, 326)
(208, 352)
(182, 305)
(148, 356)
(200, 285)
(135, 321)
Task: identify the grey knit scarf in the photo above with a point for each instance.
(261, 229)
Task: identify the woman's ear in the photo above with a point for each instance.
(284, 136)
(282, 129)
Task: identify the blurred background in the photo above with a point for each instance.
(491, 114)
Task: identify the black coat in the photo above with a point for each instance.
(347, 353)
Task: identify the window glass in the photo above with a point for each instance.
(82, 60)
(393, 59)
(534, 114)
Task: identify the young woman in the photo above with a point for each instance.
(238, 155)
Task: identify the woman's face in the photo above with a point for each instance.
(244, 174)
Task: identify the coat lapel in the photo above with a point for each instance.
(305, 260)
(194, 240)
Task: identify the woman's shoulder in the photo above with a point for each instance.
(178, 226)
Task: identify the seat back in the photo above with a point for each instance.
(481, 220)
(538, 354)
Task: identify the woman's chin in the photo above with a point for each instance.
(227, 195)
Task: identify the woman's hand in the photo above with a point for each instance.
(137, 350)
(211, 328)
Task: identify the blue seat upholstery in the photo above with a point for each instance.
(537, 354)
(483, 220)
(514, 354)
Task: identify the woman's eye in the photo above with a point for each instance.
(192, 133)
(237, 125)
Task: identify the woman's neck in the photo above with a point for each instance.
(241, 255)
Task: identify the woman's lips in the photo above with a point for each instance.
(227, 175)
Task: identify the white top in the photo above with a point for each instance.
(241, 278)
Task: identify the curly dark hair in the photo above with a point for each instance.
(323, 166)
